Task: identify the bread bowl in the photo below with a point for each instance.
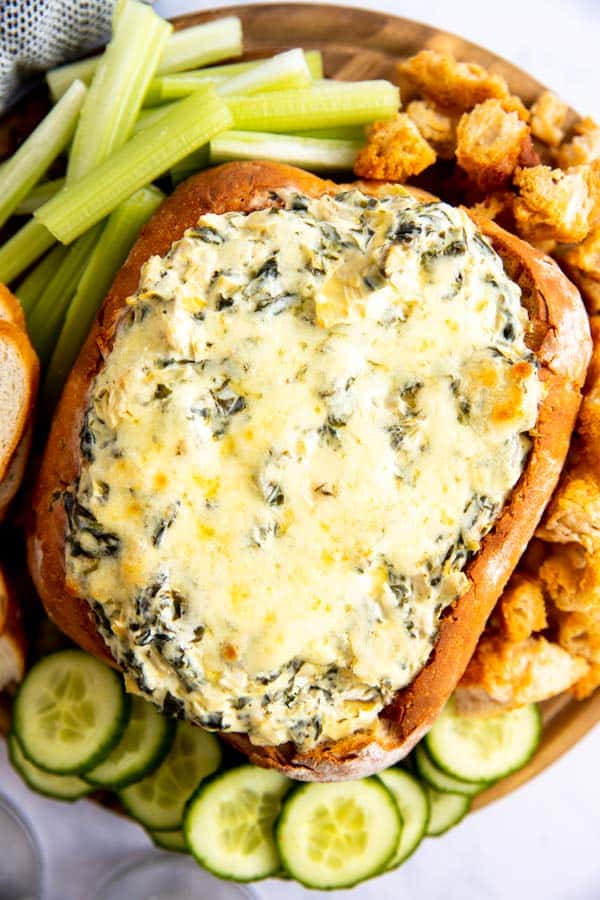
(558, 336)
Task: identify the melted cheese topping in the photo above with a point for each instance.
(310, 417)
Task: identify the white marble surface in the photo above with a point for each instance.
(542, 842)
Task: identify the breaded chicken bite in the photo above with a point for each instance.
(489, 141)
(436, 126)
(395, 150)
(504, 675)
(548, 116)
(553, 204)
(521, 610)
(449, 83)
(584, 146)
(570, 578)
(573, 515)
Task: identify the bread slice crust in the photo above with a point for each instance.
(561, 341)
(11, 335)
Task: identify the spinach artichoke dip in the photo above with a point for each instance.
(310, 417)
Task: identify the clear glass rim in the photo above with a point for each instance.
(8, 806)
(156, 856)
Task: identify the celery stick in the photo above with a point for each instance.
(312, 153)
(200, 45)
(24, 247)
(45, 319)
(321, 106)
(193, 163)
(282, 72)
(340, 132)
(60, 80)
(150, 116)
(188, 125)
(25, 168)
(32, 287)
(38, 196)
(173, 87)
(118, 88)
(107, 257)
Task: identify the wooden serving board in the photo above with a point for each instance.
(359, 44)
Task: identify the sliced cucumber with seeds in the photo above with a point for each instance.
(60, 787)
(336, 835)
(70, 712)
(229, 823)
(484, 749)
(143, 746)
(170, 840)
(413, 804)
(446, 810)
(158, 801)
(440, 780)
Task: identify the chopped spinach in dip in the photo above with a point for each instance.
(310, 417)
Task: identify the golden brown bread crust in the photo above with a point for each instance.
(560, 339)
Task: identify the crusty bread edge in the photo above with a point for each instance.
(13, 333)
(562, 335)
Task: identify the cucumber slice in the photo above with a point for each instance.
(484, 749)
(143, 746)
(70, 712)
(446, 810)
(60, 787)
(158, 801)
(440, 780)
(335, 835)
(229, 823)
(413, 804)
(170, 840)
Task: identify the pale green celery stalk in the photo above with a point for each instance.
(193, 163)
(45, 320)
(341, 132)
(118, 88)
(173, 87)
(33, 286)
(320, 106)
(38, 196)
(23, 248)
(188, 125)
(150, 116)
(107, 257)
(60, 80)
(25, 168)
(282, 72)
(200, 45)
(311, 153)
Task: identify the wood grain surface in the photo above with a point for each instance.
(360, 44)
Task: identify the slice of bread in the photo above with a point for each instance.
(12, 636)
(19, 376)
(11, 482)
(10, 308)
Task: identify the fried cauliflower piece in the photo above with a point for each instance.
(395, 150)
(449, 83)
(584, 146)
(504, 675)
(548, 116)
(435, 125)
(489, 141)
(570, 578)
(553, 204)
(521, 609)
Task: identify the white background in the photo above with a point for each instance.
(542, 843)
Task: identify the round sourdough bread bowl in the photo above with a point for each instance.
(559, 337)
